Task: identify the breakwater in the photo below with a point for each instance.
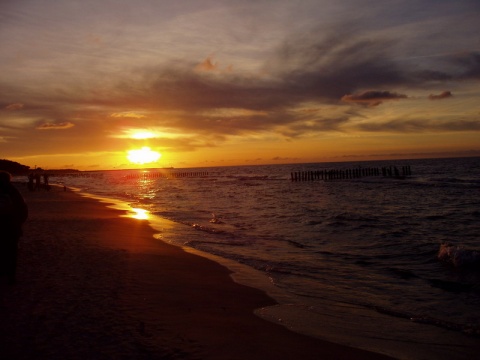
(352, 173)
(166, 174)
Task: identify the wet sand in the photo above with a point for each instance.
(95, 285)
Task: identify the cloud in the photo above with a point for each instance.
(372, 97)
(411, 155)
(127, 114)
(55, 126)
(284, 159)
(316, 64)
(304, 68)
(469, 63)
(14, 106)
(451, 67)
(207, 65)
(443, 95)
(420, 126)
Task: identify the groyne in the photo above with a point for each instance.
(166, 174)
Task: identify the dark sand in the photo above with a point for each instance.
(95, 285)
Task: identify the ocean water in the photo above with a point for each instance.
(383, 263)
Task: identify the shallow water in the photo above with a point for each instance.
(356, 258)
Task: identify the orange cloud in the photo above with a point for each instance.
(207, 65)
(128, 114)
(443, 95)
(14, 106)
(55, 126)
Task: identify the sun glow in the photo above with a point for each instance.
(139, 214)
(143, 135)
(143, 156)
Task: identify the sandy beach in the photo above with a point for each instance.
(95, 285)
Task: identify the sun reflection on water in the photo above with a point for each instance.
(139, 214)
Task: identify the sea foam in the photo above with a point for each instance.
(458, 256)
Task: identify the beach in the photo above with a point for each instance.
(95, 284)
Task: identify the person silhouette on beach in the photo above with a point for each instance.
(31, 177)
(13, 213)
(45, 181)
(37, 181)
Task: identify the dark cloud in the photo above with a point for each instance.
(412, 155)
(304, 68)
(450, 67)
(372, 97)
(432, 76)
(420, 126)
(179, 86)
(313, 66)
(469, 64)
(442, 95)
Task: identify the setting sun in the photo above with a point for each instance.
(143, 156)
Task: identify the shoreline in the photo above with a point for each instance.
(93, 284)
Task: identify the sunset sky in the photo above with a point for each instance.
(224, 82)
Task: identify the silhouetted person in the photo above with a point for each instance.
(13, 213)
(45, 181)
(37, 181)
(31, 187)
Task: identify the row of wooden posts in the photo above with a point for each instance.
(311, 175)
(355, 173)
(166, 175)
(80, 174)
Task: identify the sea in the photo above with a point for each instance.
(387, 260)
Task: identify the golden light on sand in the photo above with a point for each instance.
(143, 156)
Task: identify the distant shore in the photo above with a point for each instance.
(95, 285)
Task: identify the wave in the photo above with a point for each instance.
(445, 182)
(467, 329)
(458, 256)
(458, 180)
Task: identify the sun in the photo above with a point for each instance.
(143, 156)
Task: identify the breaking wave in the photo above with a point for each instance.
(458, 256)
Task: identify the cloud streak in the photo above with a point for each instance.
(55, 126)
(14, 106)
(372, 98)
(420, 126)
(442, 95)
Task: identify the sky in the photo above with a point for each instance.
(218, 82)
